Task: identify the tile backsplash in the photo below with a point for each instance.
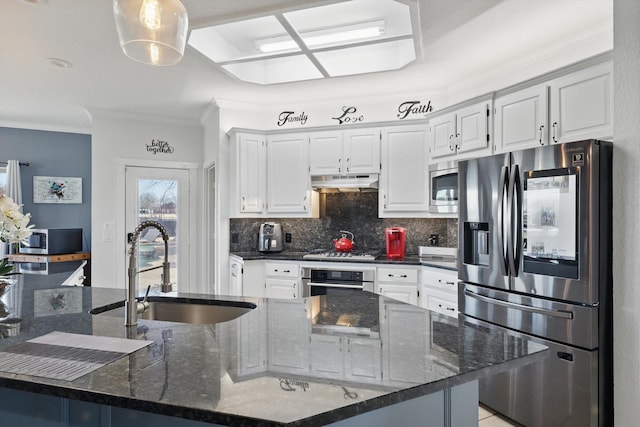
(355, 212)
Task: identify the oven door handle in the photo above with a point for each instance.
(335, 285)
(554, 313)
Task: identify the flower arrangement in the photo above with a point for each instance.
(14, 227)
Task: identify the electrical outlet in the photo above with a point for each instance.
(287, 237)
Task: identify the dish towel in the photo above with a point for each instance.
(64, 356)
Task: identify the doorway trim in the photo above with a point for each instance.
(211, 227)
(120, 227)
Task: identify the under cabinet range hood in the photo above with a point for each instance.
(344, 183)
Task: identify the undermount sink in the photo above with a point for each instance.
(182, 310)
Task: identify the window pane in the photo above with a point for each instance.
(3, 180)
(157, 201)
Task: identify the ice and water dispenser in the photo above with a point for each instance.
(395, 237)
(476, 243)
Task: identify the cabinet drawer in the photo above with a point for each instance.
(440, 279)
(398, 275)
(442, 304)
(282, 270)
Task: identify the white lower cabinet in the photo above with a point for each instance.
(289, 330)
(282, 280)
(235, 275)
(355, 359)
(326, 356)
(363, 360)
(253, 279)
(439, 290)
(396, 322)
(399, 283)
(251, 338)
(77, 277)
(281, 288)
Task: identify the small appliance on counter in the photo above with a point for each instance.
(395, 238)
(53, 241)
(270, 237)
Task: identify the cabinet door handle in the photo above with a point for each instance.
(553, 127)
(404, 276)
(457, 140)
(446, 282)
(446, 308)
(540, 139)
(450, 145)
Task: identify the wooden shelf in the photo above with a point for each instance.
(49, 258)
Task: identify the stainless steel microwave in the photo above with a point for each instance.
(443, 187)
(53, 241)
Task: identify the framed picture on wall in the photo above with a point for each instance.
(53, 189)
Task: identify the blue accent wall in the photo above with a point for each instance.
(57, 154)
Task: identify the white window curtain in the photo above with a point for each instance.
(14, 186)
(13, 190)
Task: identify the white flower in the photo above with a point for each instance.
(14, 225)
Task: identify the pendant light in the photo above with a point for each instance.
(152, 31)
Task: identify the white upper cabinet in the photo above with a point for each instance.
(472, 127)
(362, 151)
(288, 182)
(249, 152)
(569, 108)
(355, 151)
(462, 133)
(403, 178)
(521, 119)
(271, 176)
(325, 153)
(581, 105)
(442, 134)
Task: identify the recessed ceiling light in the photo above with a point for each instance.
(35, 1)
(59, 62)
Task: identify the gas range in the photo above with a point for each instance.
(341, 256)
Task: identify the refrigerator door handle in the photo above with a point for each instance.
(553, 313)
(501, 223)
(515, 226)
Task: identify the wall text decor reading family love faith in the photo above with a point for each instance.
(349, 114)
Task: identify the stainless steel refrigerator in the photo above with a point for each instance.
(535, 259)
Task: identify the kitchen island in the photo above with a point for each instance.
(362, 360)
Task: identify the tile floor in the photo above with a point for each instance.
(489, 418)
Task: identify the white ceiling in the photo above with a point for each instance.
(469, 47)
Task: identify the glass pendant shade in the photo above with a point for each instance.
(152, 31)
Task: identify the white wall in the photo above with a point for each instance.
(626, 208)
(120, 139)
(372, 109)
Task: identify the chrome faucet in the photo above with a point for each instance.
(132, 306)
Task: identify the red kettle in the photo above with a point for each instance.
(344, 244)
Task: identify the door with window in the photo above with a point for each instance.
(162, 195)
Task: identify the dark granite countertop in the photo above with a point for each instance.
(409, 259)
(245, 371)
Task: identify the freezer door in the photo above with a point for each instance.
(482, 217)
(562, 390)
(560, 221)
